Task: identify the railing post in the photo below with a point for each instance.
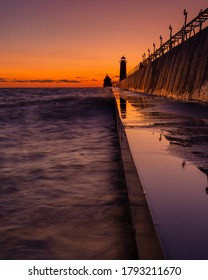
(185, 23)
(154, 54)
(182, 35)
(200, 25)
(149, 58)
(161, 48)
(170, 28)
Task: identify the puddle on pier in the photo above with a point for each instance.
(175, 191)
(184, 124)
(169, 147)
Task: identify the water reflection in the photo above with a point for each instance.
(206, 189)
(129, 113)
(183, 164)
(123, 107)
(169, 144)
(174, 190)
(185, 125)
(161, 135)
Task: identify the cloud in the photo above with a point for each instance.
(41, 81)
(45, 81)
(19, 81)
(2, 80)
(94, 80)
(33, 81)
(68, 81)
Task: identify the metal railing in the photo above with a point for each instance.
(187, 31)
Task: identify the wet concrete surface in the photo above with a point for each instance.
(169, 145)
(183, 124)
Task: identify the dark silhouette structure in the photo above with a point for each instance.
(187, 31)
(107, 81)
(122, 68)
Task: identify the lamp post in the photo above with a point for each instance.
(170, 28)
(185, 22)
(144, 57)
(160, 41)
(161, 48)
(200, 25)
(154, 54)
(185, 17)
(149, 59)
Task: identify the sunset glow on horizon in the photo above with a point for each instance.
(50, 43)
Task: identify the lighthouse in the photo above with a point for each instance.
(122, 68)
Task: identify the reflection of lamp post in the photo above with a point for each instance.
(154, 50)
(170, 28)
(148, 52)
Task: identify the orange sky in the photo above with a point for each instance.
(50, 43)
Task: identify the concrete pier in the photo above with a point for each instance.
(164, 151)
(148, 244)
(182, 73)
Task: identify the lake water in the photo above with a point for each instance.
(62, 190)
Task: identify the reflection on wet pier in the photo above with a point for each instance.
(184, 125)
(169, 144)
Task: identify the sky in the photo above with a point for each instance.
(75, 43)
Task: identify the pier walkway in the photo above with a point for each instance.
(169, 145)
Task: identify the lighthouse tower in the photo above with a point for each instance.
(122, 68)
